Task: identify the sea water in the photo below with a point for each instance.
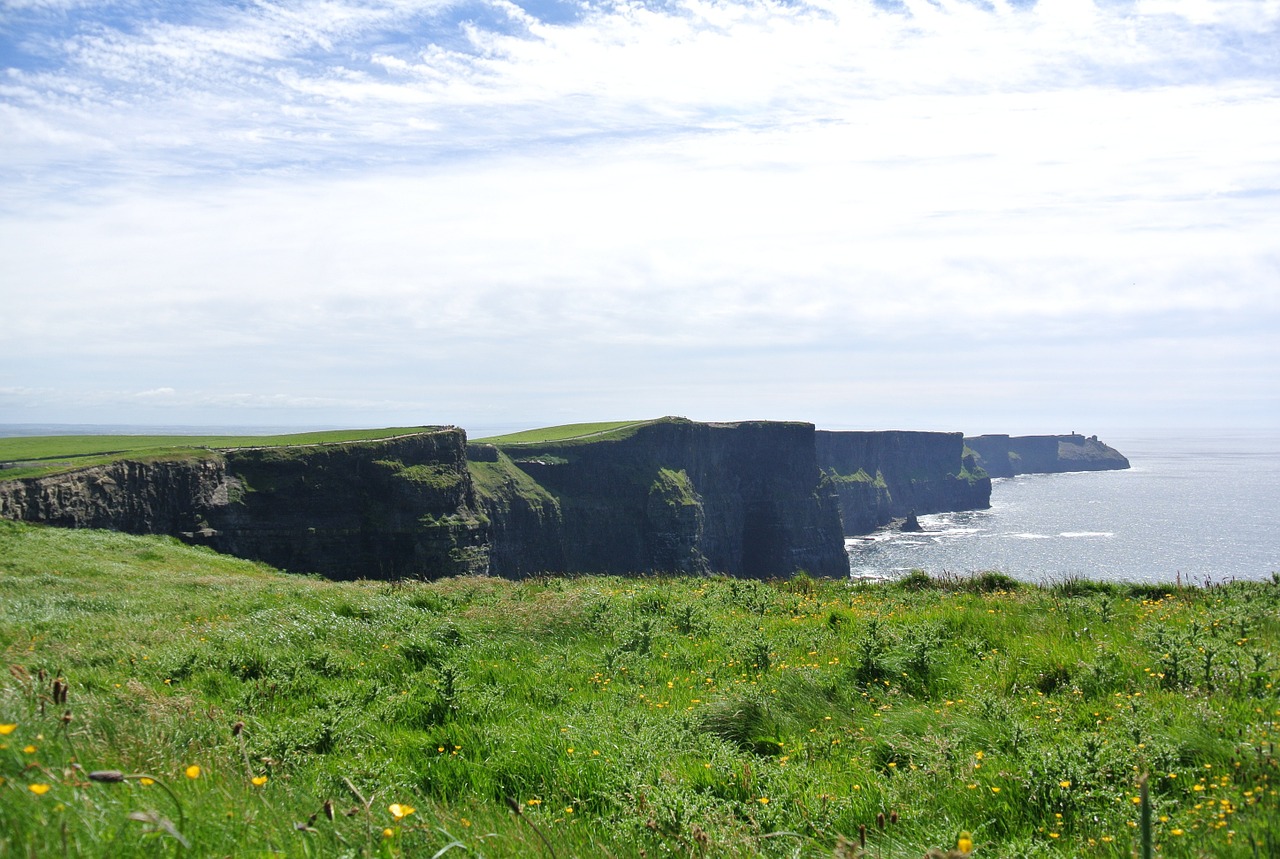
(1194, 508)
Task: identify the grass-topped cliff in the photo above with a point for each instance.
(383, 503)
(39, 456)
(161, 694)
(665, 495)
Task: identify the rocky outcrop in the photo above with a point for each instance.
(674, 495)
(1007, 456)
(138, 497)
(879, 476)
(397, 508)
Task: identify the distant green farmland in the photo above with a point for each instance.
(33, 456)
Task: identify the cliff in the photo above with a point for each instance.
(376, 509)
(754, 499)
(138, 497)
(745, 499)
(389, 509)
(1007, 456)
(878, 476)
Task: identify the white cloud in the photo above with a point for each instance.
(699, 200)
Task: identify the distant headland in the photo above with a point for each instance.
(756, 499)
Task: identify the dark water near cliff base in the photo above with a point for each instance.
(1195, 507)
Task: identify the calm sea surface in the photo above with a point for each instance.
(1199, 507)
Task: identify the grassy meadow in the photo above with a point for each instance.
(162, 700)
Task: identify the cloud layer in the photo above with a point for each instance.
(863, 214)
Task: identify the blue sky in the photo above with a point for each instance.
(986, 216)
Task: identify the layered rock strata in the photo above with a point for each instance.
(745, 499)
(1008, 456)
(752, 499)
(880, 476)
(378, 509)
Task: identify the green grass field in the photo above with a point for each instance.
(159, 695)
(41, 455)
(569, 432)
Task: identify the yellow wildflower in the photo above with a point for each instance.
(8, 728)
(38, 789)
(193, 771)
(1064, 784)
(400, 811)
(258, 780)
(965, 843)
(146, 782)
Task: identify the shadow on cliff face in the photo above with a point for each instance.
(756, 499)
(670, 496)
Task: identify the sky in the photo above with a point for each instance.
(1005, 216)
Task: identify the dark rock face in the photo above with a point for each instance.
(752, 499)
(879, 476)
(136, 497)
(1006, 456)
(382, 509)
(676, 496)
(525, 533)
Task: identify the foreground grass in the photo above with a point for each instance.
(35, 456)
(280, 715)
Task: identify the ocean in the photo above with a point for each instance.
(1195, 508)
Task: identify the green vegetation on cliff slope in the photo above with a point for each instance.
(288, 716)
(603, 431)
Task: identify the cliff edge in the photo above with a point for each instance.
(882, 475)
(670, 495)
(755, 499)
(1008, 456)
(401, 507)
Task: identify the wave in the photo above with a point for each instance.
(1087, 534)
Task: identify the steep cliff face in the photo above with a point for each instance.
(165, 497)
(882, 475)
(381, 509)
(675, 496)
(525, 529)
(377, 509)
(1006, 456)
(754, 499)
